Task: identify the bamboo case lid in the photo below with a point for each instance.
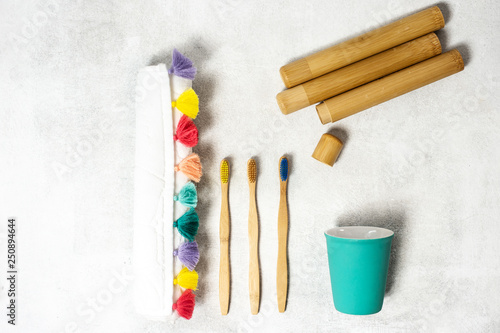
(328, 149)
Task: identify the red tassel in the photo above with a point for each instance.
(186, 132)
(185, 304)
(191, 167)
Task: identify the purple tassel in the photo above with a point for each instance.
(188, 254)
(182, 66)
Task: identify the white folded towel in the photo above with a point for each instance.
(154, 188)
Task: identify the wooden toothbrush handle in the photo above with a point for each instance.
(224, 275)
(282, 269)
(253, 236)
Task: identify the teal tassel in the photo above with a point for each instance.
(188, 224)
(187, 196)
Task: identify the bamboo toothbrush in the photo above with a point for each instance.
(253, 237)
(282, 269)
(224, 276)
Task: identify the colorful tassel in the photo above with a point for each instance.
(187, 279)
(186, 132)
(188, 224)
(185, 304)
(191, 167)
(182, 66)
(187, 196)
(187, 103)
(188, 254)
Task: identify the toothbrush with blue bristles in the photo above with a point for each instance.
(282, 268)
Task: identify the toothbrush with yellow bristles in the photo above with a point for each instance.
(224, 275)
(253, 237)
(282, 267)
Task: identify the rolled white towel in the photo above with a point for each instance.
(153, 262)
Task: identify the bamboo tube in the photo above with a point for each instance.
(359, 73)
(362, 46)
(390, 86)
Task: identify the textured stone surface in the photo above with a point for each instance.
(425, 165)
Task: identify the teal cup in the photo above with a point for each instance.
(359, 260)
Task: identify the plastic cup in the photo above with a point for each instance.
(359, 260)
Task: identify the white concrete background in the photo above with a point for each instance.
(425, 165)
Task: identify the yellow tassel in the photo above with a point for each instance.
(187, 279)
(187, 103)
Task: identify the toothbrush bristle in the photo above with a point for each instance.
(283, 169)
(224, 171)
(252, 170)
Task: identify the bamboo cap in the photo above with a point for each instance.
(292, 99)
(328, 149)
(323, 113)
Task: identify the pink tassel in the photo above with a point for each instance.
(185, 304)
(186, 132)
(191, 167)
